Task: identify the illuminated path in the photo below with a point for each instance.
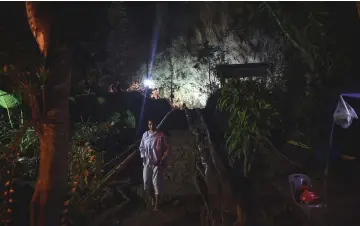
(181, 203)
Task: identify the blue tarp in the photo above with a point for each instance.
(352, 95)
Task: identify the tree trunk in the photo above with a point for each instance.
(51, 186)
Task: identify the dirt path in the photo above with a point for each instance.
(182, 211)
(181, 204)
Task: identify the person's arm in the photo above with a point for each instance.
(142, 146)
(166, 149)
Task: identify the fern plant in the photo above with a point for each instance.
(251, 116)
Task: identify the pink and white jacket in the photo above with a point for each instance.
(153, 147)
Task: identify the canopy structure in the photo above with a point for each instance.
(344, 113)
(343, 116)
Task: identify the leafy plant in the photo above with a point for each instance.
(210, 56)
(251, 116)
(81, 166)
(127, 119)
(8, 101)
(85, 132)
(30, 142)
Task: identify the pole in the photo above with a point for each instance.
(326, 173)
(147, 77)
(171, 85)
(147, 69)
(210, 76)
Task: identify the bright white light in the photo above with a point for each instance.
(148, 83)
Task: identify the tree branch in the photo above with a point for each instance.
(290, 38)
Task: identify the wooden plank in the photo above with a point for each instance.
(242, 70)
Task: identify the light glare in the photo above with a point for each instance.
(148, 83)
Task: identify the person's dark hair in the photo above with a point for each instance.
(154, 121)
(156, 124)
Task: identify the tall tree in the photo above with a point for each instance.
(118, 42)
(51, 185)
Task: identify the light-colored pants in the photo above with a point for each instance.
(153, 177)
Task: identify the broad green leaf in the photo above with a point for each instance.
(8, 101)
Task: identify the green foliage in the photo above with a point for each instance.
(220, 33)
(82, 158)
(29, 142)
(8, 101)
(127, 119)
(251, 117)
(6, 132)
(209, 56)
(81, 169)
(190, 85)
(86, 131)
(15, 144)
(101, 100)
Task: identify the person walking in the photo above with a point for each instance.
(153, 151)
